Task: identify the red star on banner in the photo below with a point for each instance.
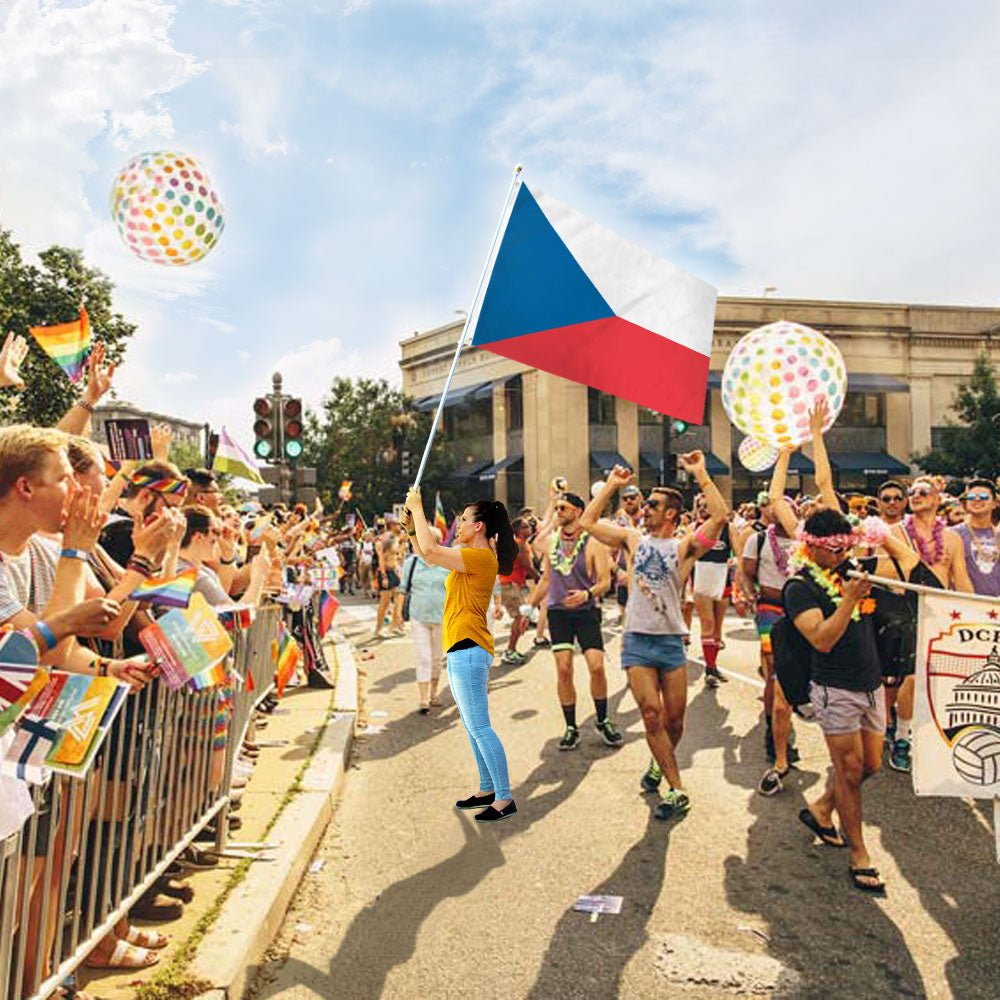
(994, 615)
(956, 616)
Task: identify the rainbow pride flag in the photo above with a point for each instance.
(440, 521)
(287, 655)
(67, 344)
(171, 591)
(328, 605)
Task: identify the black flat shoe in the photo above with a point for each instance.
(476, 801)
(491, 815)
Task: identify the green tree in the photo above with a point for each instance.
(45, 294)
(972, 447)
(361, 434)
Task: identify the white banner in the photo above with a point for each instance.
(956, 719)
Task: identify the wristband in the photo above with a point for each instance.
(74, 554)
(142, 568)
(45, 631)
(89, 407)
(102, 667)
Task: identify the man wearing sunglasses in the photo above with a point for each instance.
(980, 539)
(892, 502)
(576, 574)
(653, 653)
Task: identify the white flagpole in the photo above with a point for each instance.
(465, 327)
(885, 581)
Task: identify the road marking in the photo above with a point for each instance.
(735, 674)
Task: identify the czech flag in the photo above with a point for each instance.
(570, 297)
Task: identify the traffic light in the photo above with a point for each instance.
(292, 417)
(213, 447)
(680, 426)
(264, 428)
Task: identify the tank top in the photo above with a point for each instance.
(719, 552)
(519, 574)
(982, 558)
(654, 593)
(576, 577)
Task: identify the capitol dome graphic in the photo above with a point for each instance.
(974, 724)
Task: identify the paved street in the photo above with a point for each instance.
(417, 900)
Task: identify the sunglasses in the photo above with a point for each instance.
(984, 495)
(655, 504)
(892, 498)
(920, 491)
(560, 507)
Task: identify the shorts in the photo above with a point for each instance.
(643, 649)
(512, 596)
(765, 617)
(388, 582)
(582, 626)
(710, 579)
(840, 712)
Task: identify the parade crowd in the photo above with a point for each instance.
(78, 535)
(834, 649)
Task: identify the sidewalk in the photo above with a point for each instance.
(287, 803)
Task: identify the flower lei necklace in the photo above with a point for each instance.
(832, 585)
(930, 556)
(780, 554)
(561, 562)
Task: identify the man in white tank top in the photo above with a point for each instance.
(653, 645)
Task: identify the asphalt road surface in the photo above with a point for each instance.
(415, 899)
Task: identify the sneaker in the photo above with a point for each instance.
(571, 739)
(771, 784)
(650, 781)
(509, 657)
(899, 758)
(674, 804)
(610, 734)
(713, 678)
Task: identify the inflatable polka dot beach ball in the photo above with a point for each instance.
(773, 378)
(166, 209)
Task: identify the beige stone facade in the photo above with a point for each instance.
(513, 428)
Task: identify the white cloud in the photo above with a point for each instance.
(220, 324)
(67, 76)
(833, 151)
(259, 89)
(355, 7)
(178, 378)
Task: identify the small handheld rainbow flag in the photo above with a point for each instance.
(440, 521)
(67, 344)
(328, 605)
(172, 591)
(286, 653)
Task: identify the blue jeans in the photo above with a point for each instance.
(468, 672)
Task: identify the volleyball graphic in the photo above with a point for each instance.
(976, 756)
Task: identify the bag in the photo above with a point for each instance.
(406, 590)
(793, 656)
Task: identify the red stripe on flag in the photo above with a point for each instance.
(621, 358)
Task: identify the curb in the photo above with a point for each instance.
(233, 947)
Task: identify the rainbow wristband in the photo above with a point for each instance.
(45, 631)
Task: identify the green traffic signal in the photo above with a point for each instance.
(262, 448)
(680, 426)
(293, 448)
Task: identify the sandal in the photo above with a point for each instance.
(150, 907)
(876, 889)
(142, 938)
(828, 834)
(126, 956)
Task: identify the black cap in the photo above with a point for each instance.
(575, 499)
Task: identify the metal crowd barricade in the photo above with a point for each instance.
(95, 845)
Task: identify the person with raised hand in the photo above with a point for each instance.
(653, 653)
(12, 354)
(100, 374)
(484, 546)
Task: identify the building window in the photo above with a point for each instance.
(514, 403)
(863, 409)
(600, 407)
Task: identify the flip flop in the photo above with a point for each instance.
(878, 889)
(828, 834)
(126, 956)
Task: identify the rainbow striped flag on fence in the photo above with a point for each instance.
(67, 344)
(328, 605)
(287, 653)
(172, 591)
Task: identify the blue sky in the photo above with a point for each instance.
(363, 148)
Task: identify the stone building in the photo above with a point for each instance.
(513, 428)
(185, 431)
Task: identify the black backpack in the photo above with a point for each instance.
(793, 656)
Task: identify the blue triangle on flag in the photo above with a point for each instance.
(536, 283)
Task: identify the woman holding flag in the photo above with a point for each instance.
(485, 545)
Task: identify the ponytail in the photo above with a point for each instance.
(494, 516)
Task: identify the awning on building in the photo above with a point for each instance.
(490, 472)
(461, 475)
(464, 394)
(859, 382)
(607, 460)
(715, 380)
(714, 465)
(649, 459)
(802, 464)
(868, 463)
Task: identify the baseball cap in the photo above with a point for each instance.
(575, 499)
(630, 491)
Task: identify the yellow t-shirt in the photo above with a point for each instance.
(467, 599)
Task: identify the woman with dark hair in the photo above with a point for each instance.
(484, 544)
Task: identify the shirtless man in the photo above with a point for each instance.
(387, 578)
(942, 551)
